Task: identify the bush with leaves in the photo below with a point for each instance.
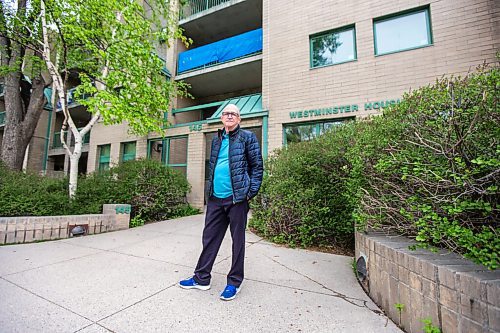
(428, 168)
(304, 199)
(31, 195)
(438, 180)
(156, 192)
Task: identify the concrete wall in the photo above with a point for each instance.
(458, 295)
(38, 228)
(465, 33)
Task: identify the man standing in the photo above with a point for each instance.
(236, 170)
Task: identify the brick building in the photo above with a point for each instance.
(295, 68)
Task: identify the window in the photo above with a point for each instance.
(104, 157)
(128, 151)
(177, 153)
(402, 32)
(170, 151)
(294, 133)
(333, 47)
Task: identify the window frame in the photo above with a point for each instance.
(426, 9)
(100, 162)
(165, 152)
(122, 155)
(316, 123)
(331, 31)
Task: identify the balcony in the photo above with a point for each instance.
(56, 142)
(2, 119)
(206, 21)
(219, 67)
(193, 7)
(70, 97)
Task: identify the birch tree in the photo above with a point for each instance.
(112, 44)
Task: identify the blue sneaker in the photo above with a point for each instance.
(229, 293)
(190, 283)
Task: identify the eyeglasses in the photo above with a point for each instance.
(232, 114)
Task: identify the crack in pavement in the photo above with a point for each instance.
(351, 300)
(46, 299)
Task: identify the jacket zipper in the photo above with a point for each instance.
(229, 158)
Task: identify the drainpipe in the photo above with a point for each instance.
(49, 125)
(47, 142)
(264, 135)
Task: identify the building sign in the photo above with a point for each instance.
(343, 109)
(196, 127)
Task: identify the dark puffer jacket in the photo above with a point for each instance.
(245, 163)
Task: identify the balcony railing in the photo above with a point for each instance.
(193, 7)
(229, 49)
(2, 118)
(70, 97)
(56, 143)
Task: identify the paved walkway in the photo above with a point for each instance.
(125, 281)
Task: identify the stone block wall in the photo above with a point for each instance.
(458, 295)
(26, 229)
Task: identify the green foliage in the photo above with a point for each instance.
(156, 192)
(305, 200)
(428, 327)
(31, 195)
(436, 179)
(400, 308)
(428, 168)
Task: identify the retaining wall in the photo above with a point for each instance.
(458, 295)
(27, 229)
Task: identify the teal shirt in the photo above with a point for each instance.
(222, 174)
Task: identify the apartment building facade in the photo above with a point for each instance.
(295, 68)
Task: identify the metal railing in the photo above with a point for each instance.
(70, 97)
(56, 142)
(192, 7)
(2, 118)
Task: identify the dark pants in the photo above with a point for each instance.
(220, 214)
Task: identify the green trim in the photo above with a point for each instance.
(243, 116)
(337, 63)
(103, 160)
(47, 143)
(131, 155)
(265, 126)
(336, 30)
(197, 107)
(404, 50)
(425, 9)
(189, 124)
(165, 152)
(317, 125)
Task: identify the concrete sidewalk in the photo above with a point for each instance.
(126, 281)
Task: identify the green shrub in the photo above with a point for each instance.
(156, 192)
(437, 178)
(31, 195)
(429, 168)
(304, 198)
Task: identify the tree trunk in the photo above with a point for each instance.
(12, 155)
(74, 158)
(21, 120)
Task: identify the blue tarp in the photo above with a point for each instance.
(221, 51)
